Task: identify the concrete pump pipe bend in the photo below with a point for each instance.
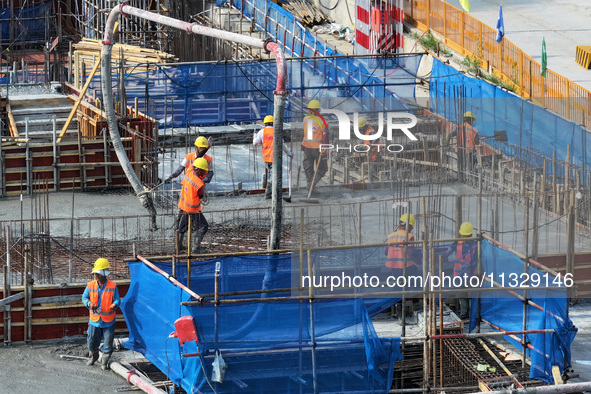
(194, 28)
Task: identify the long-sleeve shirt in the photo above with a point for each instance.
(86, 301)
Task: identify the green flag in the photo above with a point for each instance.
(544, 58)
(465, 5)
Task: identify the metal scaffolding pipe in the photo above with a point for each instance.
(132, 377)
(559, 388)
(194, 28)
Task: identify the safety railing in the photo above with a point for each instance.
(472, 38)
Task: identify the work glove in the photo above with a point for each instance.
(201, 192)
(168, 180)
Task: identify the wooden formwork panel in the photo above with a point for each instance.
(44, 167)
(59, 314)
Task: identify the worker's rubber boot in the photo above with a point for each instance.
(93, 358)
(464, 308)
(197, 238)
(181, 241)
(105, 361)
(177, 219)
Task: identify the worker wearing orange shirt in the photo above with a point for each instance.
(467, 139)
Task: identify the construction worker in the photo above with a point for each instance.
(192, 190)
(465, 261)
(101, 297)
(471, 140)
(372, 145)
(264, 137)
(315, 134)
(202, 145)
(395, 251)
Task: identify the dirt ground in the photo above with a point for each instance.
(39, 368)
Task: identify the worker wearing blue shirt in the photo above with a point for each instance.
(101, 297)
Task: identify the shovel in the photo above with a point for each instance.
(313, 200)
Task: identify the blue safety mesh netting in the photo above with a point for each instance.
(267, 345)
(507, 312)
(31, 22)
(527, 125)
(223, 92)
(266, 340)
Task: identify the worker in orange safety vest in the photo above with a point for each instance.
(101, 297)
(315, 134)
(264, 137)
(395, 251)
(465, 261)
(202, 145)
(192, 191)
(372, 145)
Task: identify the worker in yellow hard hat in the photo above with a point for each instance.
(395, 251)
(101, 297)
(202, 145)
(465, 264)
(315, 161)
(192, 191)
(467, 140)
(264, 137)
(398, 254)
(371, 145)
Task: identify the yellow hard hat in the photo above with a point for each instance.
(361, 122)
(201, 142)
(469, 115)
(404, 218)
(466, 228)
(201, 163)
(268, 119)
(101, 264)
(314, 104)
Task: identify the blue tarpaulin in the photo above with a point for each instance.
(528, 125)
(268, 343)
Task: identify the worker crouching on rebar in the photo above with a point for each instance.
(101, 297)
(192, 190)
(264, 137)
(465, 261)
(398, 254)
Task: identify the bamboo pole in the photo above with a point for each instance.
(312, 335)
(170, 278)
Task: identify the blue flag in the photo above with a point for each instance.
(500, 25)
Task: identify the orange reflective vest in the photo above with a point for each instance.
(107, 314)
(268, 144)
(189, 200)
(373, 150)
(465, 257)
(395, 258)
(471, 133)
(313, 131)
(191, 157)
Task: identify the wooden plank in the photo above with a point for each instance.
(12, 298)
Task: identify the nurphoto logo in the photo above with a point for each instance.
(395, 122)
